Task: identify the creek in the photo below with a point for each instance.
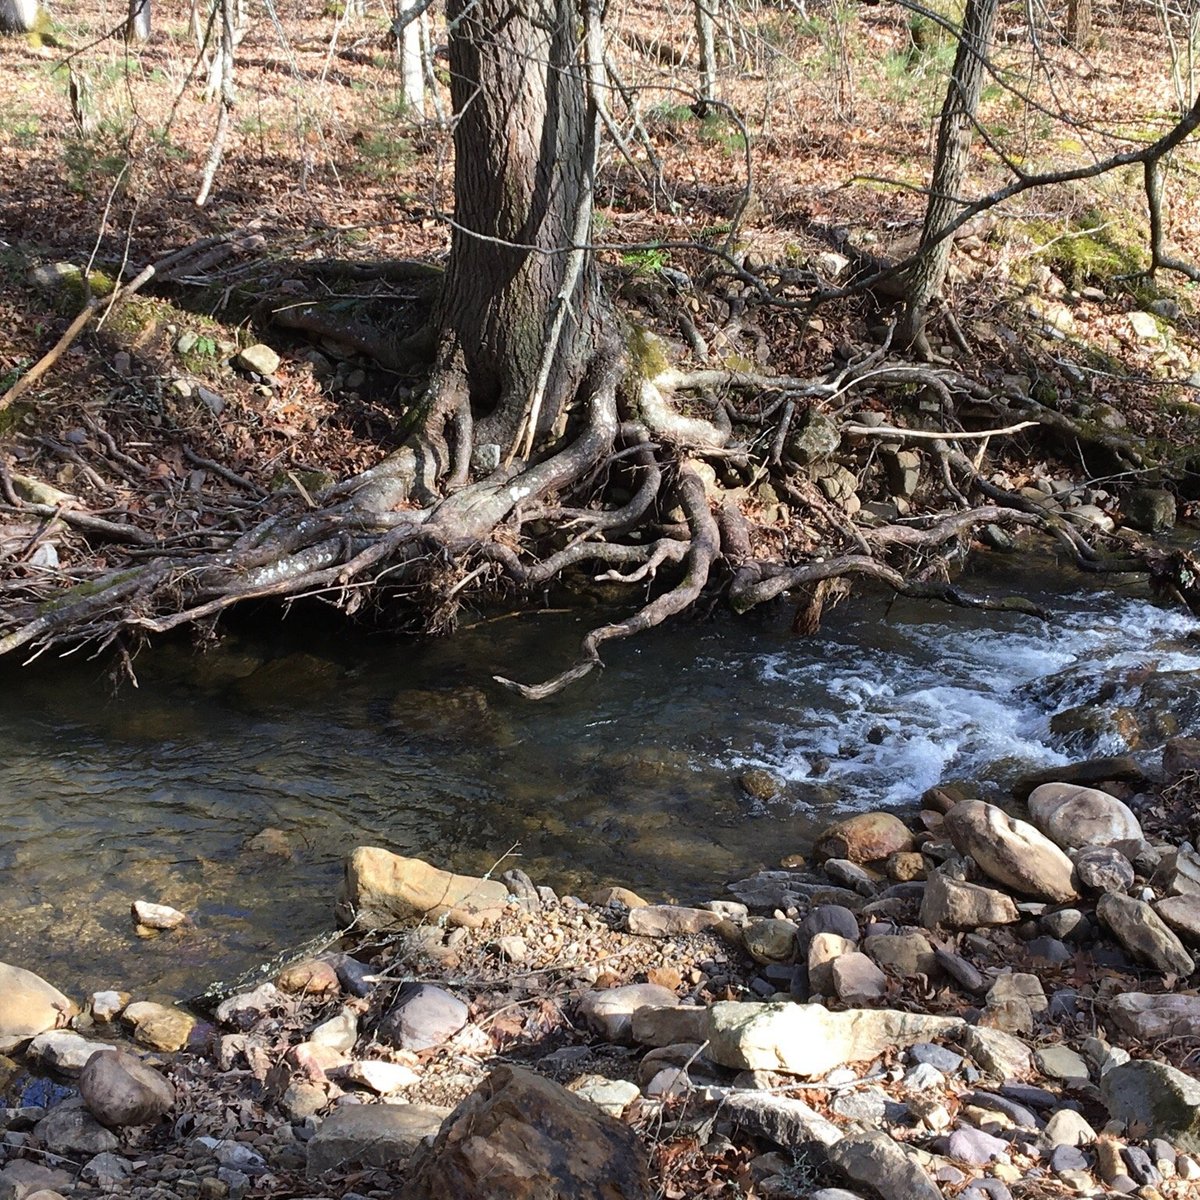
(339, 739)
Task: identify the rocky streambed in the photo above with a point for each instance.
(985, 1002)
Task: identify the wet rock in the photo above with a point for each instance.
(857, 980)
(1104, 869)
(785, 1121)
(877, 1161)
(157, 916)
(760, 784)
(270, 843)
(120, 1090)
(71, 1130)
(609, 1011)
(808, 1039)
(388, 891)
(1012, 852)
(864, 838)
(107, 1006)
(1144, 934)
(1075, 816)
(1151, 510)
(998, 1053)
(672, 920)
(28, 1006)
(260, 359)
(423, 1016)
(769, 940)
(952, 904)
(1117, 768)
(1180, 756)
(158, 1026)
(1154, 1100)
(521, 1137)
(312, 977)
(373, 1135)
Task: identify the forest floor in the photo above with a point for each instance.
(322, 161)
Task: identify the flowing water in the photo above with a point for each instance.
(632, 777)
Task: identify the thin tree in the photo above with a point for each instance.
(18, 16)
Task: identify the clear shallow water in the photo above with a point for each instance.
(631, 777)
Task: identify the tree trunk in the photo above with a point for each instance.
(18, 16)
(520, 311)
(137, 27)
(708, 49)
(1079, 22)
(928, 273)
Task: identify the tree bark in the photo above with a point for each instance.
(927, 274)
(138, 26)
(525, 145)
(1079, 23)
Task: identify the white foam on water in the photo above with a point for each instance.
(881, 723)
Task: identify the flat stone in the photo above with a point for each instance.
(159, 1026)
(611, 1096)
(954, 904)
(1061, 1062)
(877, 1161)
(975, 1147)
(808, 1039)
(63, 1050)
(943, 1059)
(857, 980)
(107, 1171)
(671, 920)
(1144, 934)
(1182, 913)
(246, 1008)
(375, 1135)
(998, 1053)
(668, 1025)
(69, 1129)
(157, 916)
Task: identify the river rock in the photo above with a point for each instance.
(1178, 872)
(422, 1016)
(1151, 510)
(828, 918)
(1144, 934)
(382, 890)
(63, 1050)
(23, 1179)
(879, 1162)
(1182, 913)
(998, 1053)
(519, 1136)
(259, 358)
(1180, 756)
(1011, 852)
(1068, 1128)
(609, 1011)
(1075, 816)
(669, 1026)
(864, 838)
(119, 1089)
(158, 1026)
(1153, 1018)
(823, 951)
(768, 939)
(785, 1121)
(1061, 1062)
(608, 897)
(953, 904)
(1154, 1100)
(808, 1039)
(380, 1076)
(671, 920)
(157, 916)
(857, 980)
(107, 1006)
(70, 1129)
(246, 1008)
(1104, 869)
(340, 1032)
(28, 1006)
(902, 954)
(312, 977)
(907, 866)
(373, 1135)
(790, 889)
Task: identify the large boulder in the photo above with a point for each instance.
(808, 1039)
(1009, 851)
(1074, 816)
(373, 1135)
(864, 838)
(1153, 1018)
(1144, 933)
(1155, 1101)
(382, 890)
(519, 1136)
(119, 1089)
(28, 1006)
